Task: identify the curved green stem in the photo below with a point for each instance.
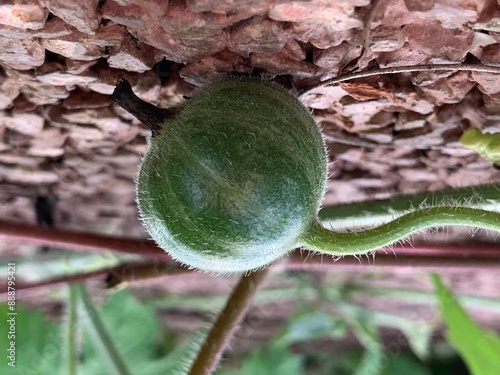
(114, 363)
(71, 334)
(371, 212)
(324, 240)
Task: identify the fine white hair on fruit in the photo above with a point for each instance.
(234, 180)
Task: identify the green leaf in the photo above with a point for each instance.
(136, 333)
(275, 360)
(366, 331)
(364, 328)
(37, 342)
(311, 325)
(479, 349)
(419, 337)
(99, 335)
(59, 263)
(371, 362)
(132, 326)
(405, 364)
(418, 333)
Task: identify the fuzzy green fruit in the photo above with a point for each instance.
(235, 178)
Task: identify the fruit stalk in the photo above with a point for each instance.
(228, 320)
(145, 112)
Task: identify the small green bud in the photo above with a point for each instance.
(485, 144)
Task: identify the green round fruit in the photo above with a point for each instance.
(235, 178)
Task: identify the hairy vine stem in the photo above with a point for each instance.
(71, 331)
(323, 240)
(361, 242)
(228, 320)
(101, 338)
(368, 213)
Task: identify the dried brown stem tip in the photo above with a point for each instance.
(154, 118)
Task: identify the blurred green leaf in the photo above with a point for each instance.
(417, 332)
(58, 263)
(37, 342)
(364, 327)
(371, 362)
(102, 346)
(366, 331)
(418, 335)
(479, 349)
(273, 360)
(405, 364)
(136, 332)
(133, 327)
(311, 325)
